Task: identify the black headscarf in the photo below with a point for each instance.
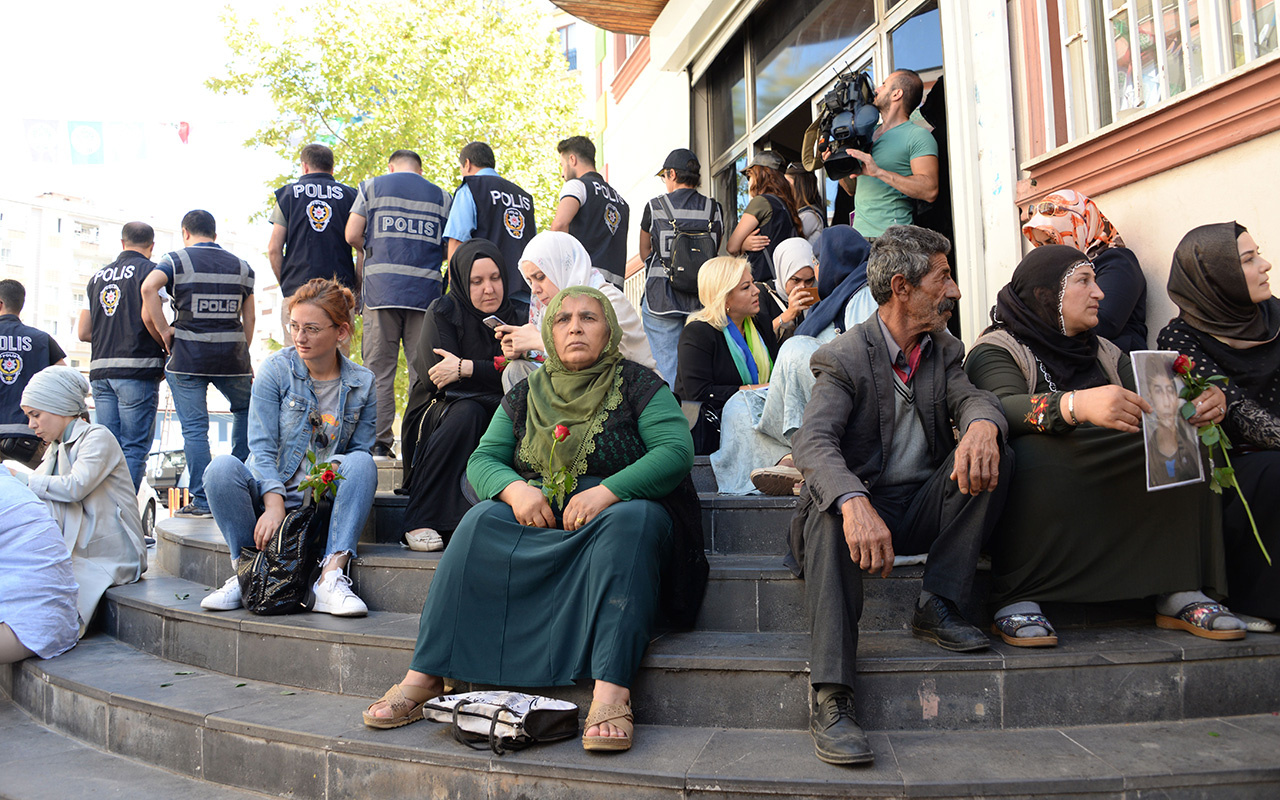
(842, 271)
(1030, 308)
(1207, 284)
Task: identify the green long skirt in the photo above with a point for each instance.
(512, 605)
(1080, 525)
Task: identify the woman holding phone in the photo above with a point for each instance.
(459, 364)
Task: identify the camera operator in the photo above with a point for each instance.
(902, 164)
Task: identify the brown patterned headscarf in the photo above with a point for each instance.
(1068, 217)
(1207, 284)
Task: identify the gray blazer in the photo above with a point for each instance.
(848, 422)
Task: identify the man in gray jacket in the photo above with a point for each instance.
(884, 474)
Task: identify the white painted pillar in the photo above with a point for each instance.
(984, 169)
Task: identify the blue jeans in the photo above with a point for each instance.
(663, 334)
(236, 502)
(190, 394)
(127, 407)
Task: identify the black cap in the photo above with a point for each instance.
(768, 159)
(678, 159)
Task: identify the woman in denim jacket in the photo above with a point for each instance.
(307, 397)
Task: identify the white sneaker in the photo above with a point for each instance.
(334, 596)
(225, 599)
(424, 540)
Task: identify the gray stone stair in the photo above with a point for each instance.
(234, 734)
(1109, 674)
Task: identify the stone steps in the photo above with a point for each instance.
(234, 733)
(1110, 674)
(37, 763)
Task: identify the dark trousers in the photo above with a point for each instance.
(933, 518)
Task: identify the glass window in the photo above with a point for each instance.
(799, 39)
(917, 43)
(731, 190)
(728, 97)
(1253, 29)
(568, 44)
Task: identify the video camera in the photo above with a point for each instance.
(847, 119)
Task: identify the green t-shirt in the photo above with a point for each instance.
(877, 204)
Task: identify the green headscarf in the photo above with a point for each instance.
(577, 400)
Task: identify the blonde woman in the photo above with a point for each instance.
(722, 349)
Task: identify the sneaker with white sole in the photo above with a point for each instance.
(334, 596)
(225, 599)
(193, 511)
(424, 540)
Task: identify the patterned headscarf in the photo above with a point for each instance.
(1068, 217)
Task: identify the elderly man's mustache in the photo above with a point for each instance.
(946, 305)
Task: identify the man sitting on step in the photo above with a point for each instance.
(884, 474)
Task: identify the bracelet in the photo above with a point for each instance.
(1071, 408)
(459, 369)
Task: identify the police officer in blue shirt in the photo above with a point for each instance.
(491, 207)
(208, 343)
(24, 351)
(397, 229)
(127, 364)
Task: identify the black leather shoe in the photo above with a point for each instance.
(837, 739)
(383, 451)
(939, 621)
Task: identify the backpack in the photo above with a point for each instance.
(692, 246)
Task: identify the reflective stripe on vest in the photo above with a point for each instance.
(210, 286)
(126, 363)
(405, 216)
(663, 226)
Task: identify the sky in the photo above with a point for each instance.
(94, 95)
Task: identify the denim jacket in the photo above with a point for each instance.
(283, 397)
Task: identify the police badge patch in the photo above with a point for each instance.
(109, 297)
(514, 222)
(318, 214)
(612, 217)
(10, 368)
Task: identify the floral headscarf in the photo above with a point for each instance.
(1068, 217)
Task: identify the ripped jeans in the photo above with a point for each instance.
(236, 502)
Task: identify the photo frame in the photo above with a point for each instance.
(1173, 450)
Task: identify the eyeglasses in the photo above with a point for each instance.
(309, 330)
(1047, 208)
(319, 437)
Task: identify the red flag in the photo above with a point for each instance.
(184, 130)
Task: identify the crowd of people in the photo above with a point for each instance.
(551, 425)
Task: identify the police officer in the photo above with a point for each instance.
(208, 343)
(24, 351)
(592, 210)
(397, 229)
(490, 207)
(127, 364)
(308, 235)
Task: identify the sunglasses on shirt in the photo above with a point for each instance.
(319, 438)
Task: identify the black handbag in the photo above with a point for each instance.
(278, 579)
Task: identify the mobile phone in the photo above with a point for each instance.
(493, 321)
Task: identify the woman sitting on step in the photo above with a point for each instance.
(784, 300)
(459, 366)
(306, 398)
(85, 482)
(1079, 524)
(543, 589)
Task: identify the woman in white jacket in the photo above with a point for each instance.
(86, 484)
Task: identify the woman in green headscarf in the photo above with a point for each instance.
(555, 577)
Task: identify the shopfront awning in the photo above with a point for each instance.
(616, 16)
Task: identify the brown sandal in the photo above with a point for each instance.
(616, 714)
(403, 708)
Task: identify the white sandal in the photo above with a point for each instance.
(424, 540)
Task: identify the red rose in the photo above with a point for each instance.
(1183, 365)
(327, 476)
(561, 433)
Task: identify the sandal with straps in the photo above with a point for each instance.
(616, 714)
(1009, 626)
(403, 709)
(1197, 618)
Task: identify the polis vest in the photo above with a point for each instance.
(315, 209)
(504, 216)
(403, 238)
(692, 210)
(601, 226)
(121, 345)
(779, 228)
(209, 286)
(24, 351)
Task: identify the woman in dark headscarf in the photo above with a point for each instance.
(842, 285)
(538, 590)
(1230, 325)
(459, 366)
(1079, 524)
